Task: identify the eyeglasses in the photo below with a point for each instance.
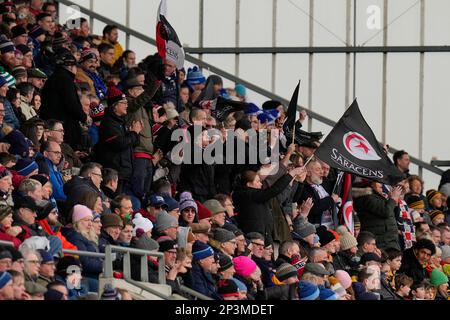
(33, 261)
(172, 252)
(2, 110)
(97, 174)
(59, 130)
(258, 244)
(55, 152)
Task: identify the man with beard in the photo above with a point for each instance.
(88, 73)
(322, 211)
(110, 36)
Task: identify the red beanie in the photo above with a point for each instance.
(114, 96)
(203, 212)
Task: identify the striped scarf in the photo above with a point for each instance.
(406, 225)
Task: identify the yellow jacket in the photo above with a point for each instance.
(118, 50)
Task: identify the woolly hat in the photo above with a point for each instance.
(111, 220)
(225, 262)
(5, 254)
(96, 111)
(195, 76)
(165, 221)
(438, 277)
(265, 117)
(214, 206)
(307, 290)
(203, 212)
(425, 244)
(244, 266)
(445, 252)
(2, 81)
(231, 227)
(327, 294)
(166, 243)
(41, 178)
(156, 201)
(24, 49)
(59, 40)
(110, 293)
(369, 256)
(286, 271)
(316, 268)
(186, 201)
(303, 228)
(5, 211)
(431, 194)
(65, 58)
(146, 243)
(252, 110)
(80, 212)
(435, 214)
(140, 222)
(241, 90)
(17, 31)
(344, 278)
(346, 239)
(10, 80)
(26, 202)
(415, 202)
(325, 235)
(18, 142)
(87, 54)
(227, 288)
(53, 294)
(271, 104)
(115, 96)
(25, 166)
(221, 235)
(445, 189)
(36, 31)
(36, 243)
(5, 277)
(241, 286)
(19, 71)
(6, 45)
(201, 251)
(45, 207)
(46, 256)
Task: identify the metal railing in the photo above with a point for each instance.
(128, 31)
(6, 243)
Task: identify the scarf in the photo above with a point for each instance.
(99, 85)
(405, 225)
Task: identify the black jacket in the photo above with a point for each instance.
(254, 214)
(105, 239)
(412, 267)
(115, 145)
(60, 101)
(280, 292)
(377, 215)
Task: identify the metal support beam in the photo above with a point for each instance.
(237, 36)
(274, 43)
(127, 23)
(384, 84)
(201, 26)
(421, 82)
(310, 63)
(311, 49)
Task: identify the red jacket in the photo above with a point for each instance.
(48, 230)
(6, 237)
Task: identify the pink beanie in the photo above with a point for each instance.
(344, 278)
(80, 212)
(244, 266)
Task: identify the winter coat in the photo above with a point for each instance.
(203, 282)
(267, 272)
(27, 109)
(342, 261)
(377, 215)
(386, 292)
(412, 267)
(28, 230)
(105, 239)
(115, 145)
(57, 233)
(138, 110)
(362, 294)
(280, 292)
(6, 237)
(320, 205)
(56, 180)
(254, 214)
(92, 267)
(60, 101)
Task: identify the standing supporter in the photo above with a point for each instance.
(111, 37)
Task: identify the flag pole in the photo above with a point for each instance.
(307, 161)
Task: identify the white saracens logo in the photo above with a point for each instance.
(359, 147)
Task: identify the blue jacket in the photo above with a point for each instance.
(10, 116)
(92, 267)
(203, 282)
(57, 181)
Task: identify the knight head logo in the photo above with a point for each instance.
(359, 147)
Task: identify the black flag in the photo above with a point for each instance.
(352, 147)
(292, 115)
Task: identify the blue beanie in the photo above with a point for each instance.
(307, 290)
(266, 117)
(172, 204)
(241, 90)
(195, 76)
(201, 251)
(46, 256)
(53, 294)
(241, 286)
(25, 166)
(252, 110)
(2, 81)
(274, 113)
(327, 294)
(5, 277)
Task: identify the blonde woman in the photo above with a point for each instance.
(81, 235)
